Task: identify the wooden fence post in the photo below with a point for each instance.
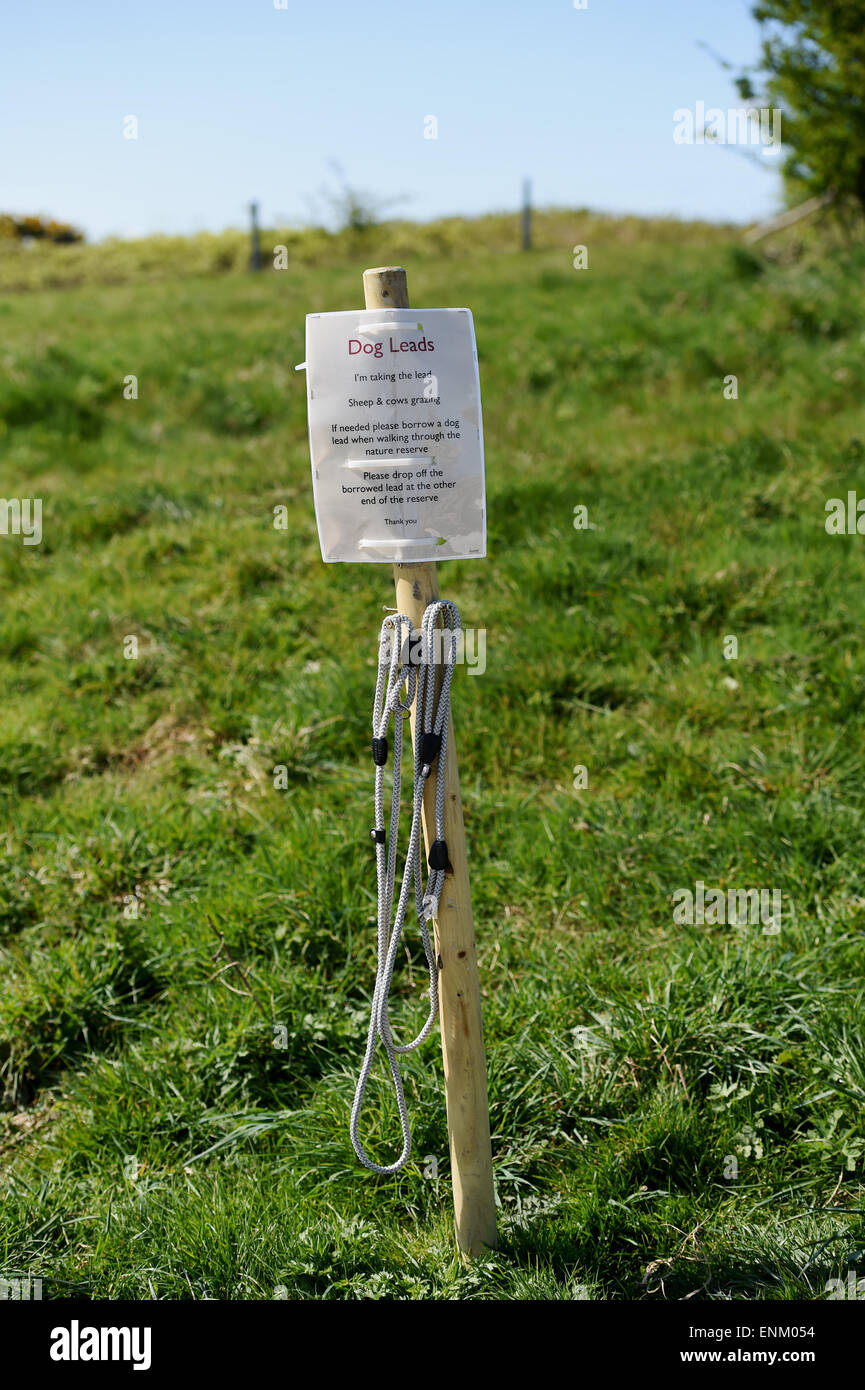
(527, 214)
(254, 238)
(459, 987)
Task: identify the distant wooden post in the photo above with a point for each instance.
(527, 214)
(459, 987)
(788, 218)
(254, 239)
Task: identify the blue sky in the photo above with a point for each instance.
(237, 100)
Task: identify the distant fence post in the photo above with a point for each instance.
(254, 239)
(527, 214)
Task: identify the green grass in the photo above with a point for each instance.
(155, 1142)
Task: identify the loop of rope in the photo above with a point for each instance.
(400, 645)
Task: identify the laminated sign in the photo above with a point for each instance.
(395, 435)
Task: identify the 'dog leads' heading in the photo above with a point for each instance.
(355, 346)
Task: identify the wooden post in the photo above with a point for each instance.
(789, 218)
(459, 988)
(527, 214)
(254, 239)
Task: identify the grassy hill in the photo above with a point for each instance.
(41, 265)
(677, 1110)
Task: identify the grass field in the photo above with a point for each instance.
(155, 1141)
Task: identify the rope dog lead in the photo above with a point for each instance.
(406, 659)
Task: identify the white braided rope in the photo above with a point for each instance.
(395, 672)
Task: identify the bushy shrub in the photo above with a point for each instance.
(39, 229)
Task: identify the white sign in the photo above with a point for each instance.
(395, 435)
